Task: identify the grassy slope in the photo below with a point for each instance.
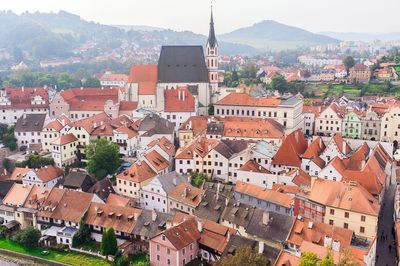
(70, 257)
(322, 90)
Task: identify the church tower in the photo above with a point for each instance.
(212, 56)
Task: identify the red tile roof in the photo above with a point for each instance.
(183, 234)
(48, 173)
(65, 139)
(253, 166)
(179, 100)
(114, 77)
(140, 73)
(244, 99)
(128, 106)
(138, 172)
(22, 98)
(264, 194)
(291, 149)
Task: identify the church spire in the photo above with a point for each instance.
(212, 40)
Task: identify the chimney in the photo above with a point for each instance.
(185, 191)
(23, 88)
(228, 237)
(183, 95)
(218, 186)
(174, 180)
(153, 215)
(179, 95)
(265, 218)
(320, 142)
(135, 216)
(310, 225)
(260, 247)
(199, 226)
(344, 147)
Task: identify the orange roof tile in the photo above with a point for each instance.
(48, 172)
(123, 129)
(347, 196)
(244, 99)
(293, 146)
(119, 218)
(164, 144)
(65, 139)
(287, 259)
(215, 236)
(156, 160)
(17, 195)
(306, 230)
(138, 172)
(19, 173)
(179, 100)
(141, 73)
(128, 106)
(183, 234)
(187, 194)
(264, 194)
(253, 166)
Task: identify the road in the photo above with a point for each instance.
(386, 256)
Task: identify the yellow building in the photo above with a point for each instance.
(347, 205)
(64, 150)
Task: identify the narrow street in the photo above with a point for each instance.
(385, 237)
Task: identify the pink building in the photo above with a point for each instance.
(175, 246)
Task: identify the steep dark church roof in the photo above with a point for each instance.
(182, 64)
(212, 40)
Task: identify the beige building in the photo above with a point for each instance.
(390, 125)
(360, 73)
(329, 121)
(130, 181)
(347, 205)
(64, 150)
(286, 110)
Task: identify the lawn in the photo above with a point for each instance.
(70, 257)
(92, 246)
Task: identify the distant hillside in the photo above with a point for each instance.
(138, 28)
(55, 35)
(366, 37)
(271, 35)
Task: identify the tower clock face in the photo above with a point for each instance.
(212, 52)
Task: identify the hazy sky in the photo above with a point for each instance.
(313, 15)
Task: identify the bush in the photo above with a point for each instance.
(28, 237)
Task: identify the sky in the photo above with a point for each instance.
(313, 15)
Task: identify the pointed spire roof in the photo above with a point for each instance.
(212, 40)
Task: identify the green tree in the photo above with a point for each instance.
(28, 237)
(109, 242)
(279, 83)
(308, 259)
(327, 261)
(82, 236)
(8, 138)
(103, 157)
(244, 256)
(211, 109)
(92, 82)
(348, 63)
(37, 161)
(197, 179)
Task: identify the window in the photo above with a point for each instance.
(362, 229)
(158, 257)
(345, 225)
(362, 218)
(331, 222)
(183, 251)
(168, 251)
(158, 247)
(346, 215)
(332, 212)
